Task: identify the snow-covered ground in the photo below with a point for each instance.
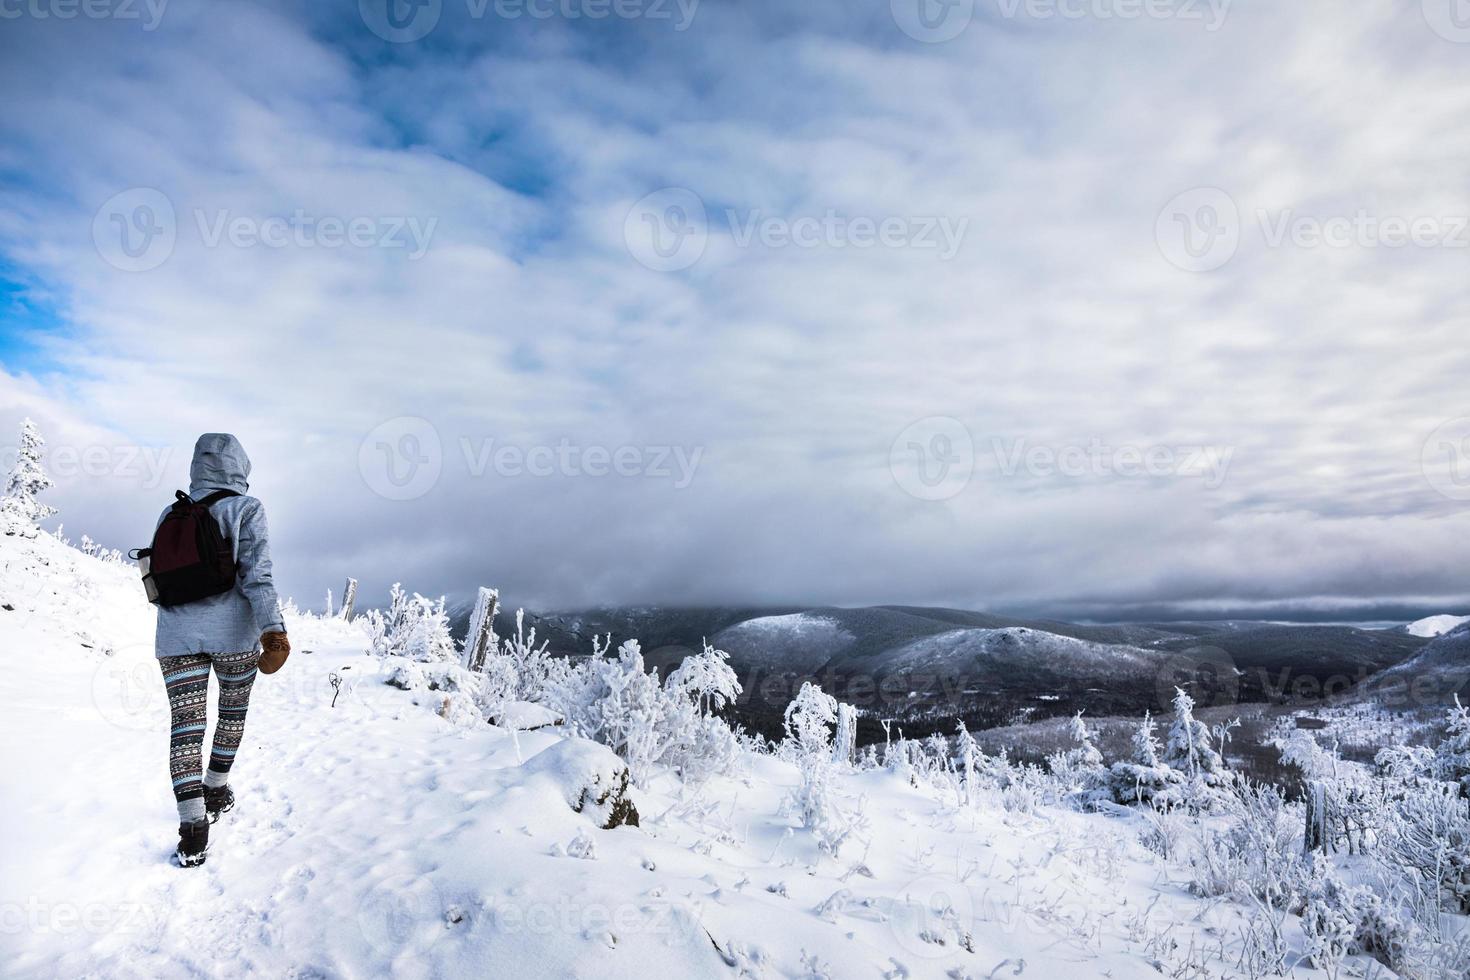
(372, 837)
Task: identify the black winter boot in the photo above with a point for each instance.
(217, 800)
(193, 843)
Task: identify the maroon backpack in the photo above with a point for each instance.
(190, 558)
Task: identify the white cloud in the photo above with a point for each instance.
(1058, 321)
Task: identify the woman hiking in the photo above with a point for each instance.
(217, 608)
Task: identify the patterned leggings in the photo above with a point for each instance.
(186, 679)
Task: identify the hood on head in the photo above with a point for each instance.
(219, 463)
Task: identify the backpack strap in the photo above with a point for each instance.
(217, 496)
(182, 499)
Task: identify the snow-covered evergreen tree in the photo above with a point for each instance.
(20, 511)
(1145, 778)
(1080, 769)
(1190, 749)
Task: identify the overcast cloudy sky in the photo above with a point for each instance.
(1096, 308)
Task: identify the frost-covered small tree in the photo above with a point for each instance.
(701, 744)
(1079, 769)
(20, 511)
(972, 763)
(532, 664)
(844, 746)
(1452, 756)
(1190, 749)
(807, 722)
(1145, 778)
(424, 632)
(385, 626)
(708, 678)
(1303, 752)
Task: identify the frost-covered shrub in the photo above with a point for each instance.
(898, 760)
(1452, 757)
(1145, 778)
(1332, 915)
(412, 627)
(1253, 853)
(1428, 836)
(1023, 788)
(1404, 765)
(520, 657)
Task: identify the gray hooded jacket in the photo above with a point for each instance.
(232, 621)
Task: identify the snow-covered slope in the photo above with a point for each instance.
(1432, 626)
(372, 837)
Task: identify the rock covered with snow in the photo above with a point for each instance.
(590, 777)
(525, 716)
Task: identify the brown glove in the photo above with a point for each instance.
(275, 649)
